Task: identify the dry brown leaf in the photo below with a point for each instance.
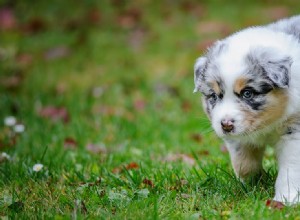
(197, 137)
(70, 143)
(148, 182)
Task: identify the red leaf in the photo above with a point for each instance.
(148, 182)
(132, 166)
(274, 204)
(55, 113)
(70, 143)
(7, 19)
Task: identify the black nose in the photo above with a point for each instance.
(227, 125)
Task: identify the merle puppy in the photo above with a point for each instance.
(250, 85)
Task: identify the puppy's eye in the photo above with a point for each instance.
(247, 94)
(213, 96)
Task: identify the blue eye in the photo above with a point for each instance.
(213, 96)
(247, 94)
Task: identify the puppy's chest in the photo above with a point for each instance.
(273, 134)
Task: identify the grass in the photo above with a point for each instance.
(137, 143)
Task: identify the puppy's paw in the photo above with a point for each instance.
(288, 198)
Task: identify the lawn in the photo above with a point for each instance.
(100, 94)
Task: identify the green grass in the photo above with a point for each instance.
(126, 83)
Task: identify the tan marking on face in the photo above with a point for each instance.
(273, 110)
(240, 84)
(215, 86)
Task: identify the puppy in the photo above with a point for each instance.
(250, 85)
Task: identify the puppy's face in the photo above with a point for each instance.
(243, 92)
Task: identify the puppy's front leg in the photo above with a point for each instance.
(246, 160)
(287, 185)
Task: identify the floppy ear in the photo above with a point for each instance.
(275, 66)
(279, 71)
(199, 70)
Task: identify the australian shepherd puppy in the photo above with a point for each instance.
(250, 85)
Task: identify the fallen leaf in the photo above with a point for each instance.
(139, 105)
(55, 113)
(276, 12)
(205, 44)
(224, 149)
(94, 16)
(213, 27)
(148, 182)
(35, 25)
(193, 8)
(132, 166)
(197, 137)
(136, 38)
(96, 148)
(70, 143)
(186, 106)
(24, 60)
(129, 18)
(8, 20)
(160, 89)
(274, 204)
(203, 152)
(12, 81)
(179, 157)
(57, 53)
(117, 170)
(182, 182)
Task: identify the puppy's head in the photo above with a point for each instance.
(243, 89)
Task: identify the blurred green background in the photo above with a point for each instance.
(104, 91)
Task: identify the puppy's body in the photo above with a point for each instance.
(250, 83)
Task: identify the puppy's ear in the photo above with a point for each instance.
(275, 66)
(199, 72)
(279, 71)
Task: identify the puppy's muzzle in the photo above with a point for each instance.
(227, 125)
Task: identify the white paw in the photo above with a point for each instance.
(288, 198)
